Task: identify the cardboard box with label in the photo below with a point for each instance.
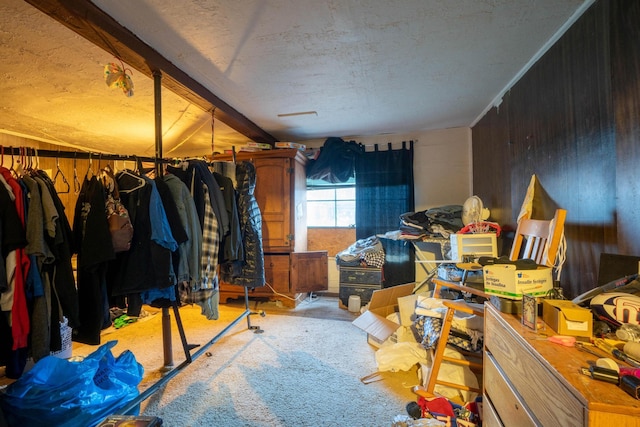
(506, 281)
(567, 318)
(383, 303)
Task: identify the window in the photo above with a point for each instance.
(331, 205)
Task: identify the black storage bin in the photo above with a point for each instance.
(359, 281)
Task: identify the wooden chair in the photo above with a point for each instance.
(541, 241)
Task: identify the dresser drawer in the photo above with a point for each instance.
(371, 276)
(547, 397)
(504, 399)
(489, 415)
(363, 291)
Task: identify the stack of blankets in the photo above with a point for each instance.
(363, 253)
(435, 222)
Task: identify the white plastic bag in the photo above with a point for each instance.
(400, 356)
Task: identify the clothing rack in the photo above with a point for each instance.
(166, 316)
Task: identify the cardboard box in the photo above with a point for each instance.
(383, 303)
(567, 318)
(282, 144)
(505, 281)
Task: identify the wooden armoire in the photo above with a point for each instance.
(291, 272)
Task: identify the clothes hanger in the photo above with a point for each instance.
(29, 156)
(29, 171)
(19, 169)
(64, 178)
(76, 183)
(127, 173)
(26, 160)
(34, 162)
(11, 169)
(140, 180)
(90, 173)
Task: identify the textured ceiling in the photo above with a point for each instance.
(364, 67)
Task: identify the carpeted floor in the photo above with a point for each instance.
(302, 369)
(320, 306)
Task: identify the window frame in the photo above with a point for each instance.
(315, 185)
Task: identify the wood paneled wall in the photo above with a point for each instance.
(573, 120)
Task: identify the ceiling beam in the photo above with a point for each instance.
(92, 23)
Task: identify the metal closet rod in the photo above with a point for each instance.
(82, 155)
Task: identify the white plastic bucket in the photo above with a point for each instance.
(354, 303)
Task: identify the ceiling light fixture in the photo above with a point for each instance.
(299, 113)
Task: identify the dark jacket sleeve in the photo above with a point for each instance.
(232, 242)
(249, 273)
(170, 208)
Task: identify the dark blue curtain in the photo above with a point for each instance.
(384, 191)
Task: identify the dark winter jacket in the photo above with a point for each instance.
(194, 175)
(249, 273)
(232, 248)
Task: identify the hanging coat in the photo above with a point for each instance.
(93, 242)
(250, 272)
(194, 174)
(13, 241)
(147, 265)
(190, 251)
(61, 245)
(232, 248)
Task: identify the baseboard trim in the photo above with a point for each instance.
(328, 294)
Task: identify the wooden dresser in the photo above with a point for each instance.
(290, 270)
(529, 381)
